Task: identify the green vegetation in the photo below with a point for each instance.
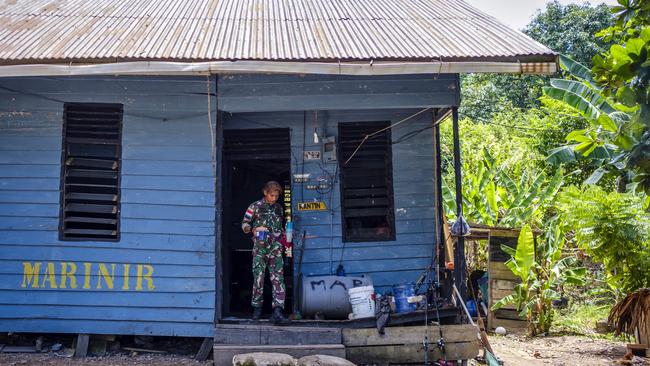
(581, 319)
(572, 162)
(543, 270)
(613, 229)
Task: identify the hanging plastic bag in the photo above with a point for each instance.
(460, 227)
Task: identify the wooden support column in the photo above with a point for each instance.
(460, 265)
(218, 217)
(439, 256)
(206, 348)
(81, 350)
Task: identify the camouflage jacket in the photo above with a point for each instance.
(260, 213)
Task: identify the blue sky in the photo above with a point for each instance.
(517, 13)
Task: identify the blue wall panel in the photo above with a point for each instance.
(167, 212)
(166, 245)
(264, 93)
(387, 262)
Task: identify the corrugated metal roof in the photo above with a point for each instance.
(280, 30)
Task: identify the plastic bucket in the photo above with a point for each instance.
(402, 294)
(362, 301)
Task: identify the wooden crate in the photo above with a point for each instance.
(502, 281)
(400, 345)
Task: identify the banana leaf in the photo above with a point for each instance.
(577, 69)
(584, 99)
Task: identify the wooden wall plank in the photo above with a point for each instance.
(409, 335)
(168, 271)
(410, 353)
(29, 184)
(199, 300)
(115, 313)
(105, 255)
(200, 243)
(99, 326)
(246, 93)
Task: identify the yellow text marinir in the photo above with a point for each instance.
(64, 275)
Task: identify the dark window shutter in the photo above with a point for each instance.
(90, 174)
(257, 144)
(367, 205)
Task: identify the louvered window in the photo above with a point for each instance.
(90, 201)
(366, 182)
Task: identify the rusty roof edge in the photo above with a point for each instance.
(540, 57)
(218, 67)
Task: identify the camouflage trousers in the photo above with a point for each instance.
(268, 253)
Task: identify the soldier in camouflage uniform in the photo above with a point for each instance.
(266, 215)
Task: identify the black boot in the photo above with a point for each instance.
(257, 312)
(278, 318)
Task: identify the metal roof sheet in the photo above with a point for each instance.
(279, 30)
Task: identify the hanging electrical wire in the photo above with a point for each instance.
(382, 130)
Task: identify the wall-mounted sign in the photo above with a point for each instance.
(311, 155)
(311, 206)
(301, 178)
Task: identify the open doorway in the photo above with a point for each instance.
(252, 157)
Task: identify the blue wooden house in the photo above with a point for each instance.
(133, 134)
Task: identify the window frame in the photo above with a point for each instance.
(62, 178)
(372, 126)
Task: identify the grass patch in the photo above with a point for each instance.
(580, 319)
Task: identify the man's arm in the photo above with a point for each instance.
(248, 219)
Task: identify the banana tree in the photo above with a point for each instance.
(492, 197)
(542, 270)
(618, 136)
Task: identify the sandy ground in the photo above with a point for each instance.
(558, 350)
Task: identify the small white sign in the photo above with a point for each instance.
(311, 155)
(301, 178)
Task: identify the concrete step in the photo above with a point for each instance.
(263, 334)
(223, 353)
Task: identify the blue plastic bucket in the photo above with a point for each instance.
(402, 293)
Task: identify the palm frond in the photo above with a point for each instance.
(632, 312)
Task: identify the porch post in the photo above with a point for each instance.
(218, 167)
(460, 268)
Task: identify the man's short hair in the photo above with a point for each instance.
(272, 186)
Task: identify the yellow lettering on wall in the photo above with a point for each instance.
(42, 275)
(30, 274)
(87, 275)
(147, 276)
(65, 274)
(126, 266)
(49, 275)
(108, 278)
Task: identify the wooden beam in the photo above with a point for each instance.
(449, 241)
(81, 350)
(204, 351)
(409, 335)
(410, 353)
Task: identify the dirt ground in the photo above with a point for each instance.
(51, 359)
(512, 349)
(558, 350)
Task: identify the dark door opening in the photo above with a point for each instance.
(251, 158)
